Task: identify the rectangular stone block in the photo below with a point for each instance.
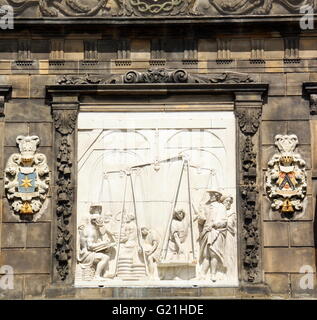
(20, 85)
(13, 235)
(185, 292)
(107, 50)
(274, 48)
(207, 49)
(35, 286)
(40, 49)
(269, 129)
(17, 293)
(287, 259)
(267, 152)
(94, 293)
(27, 260)
(12, 130)
(38, 235)
(305, 152)
(286, 108)
(277, 83)
(301, 129)
(303, 285)
(38, 84)
(44, 131)
(294, 82)
(301, 234)
(140, 49)
(8, 49)
(313, 124)
(218, 292)
(28, 110)
(278, 283)
(275, 234)
(74, 50)
(240, 48)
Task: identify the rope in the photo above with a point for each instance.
(137, 225)
(190, 211)
(121, 222)
(172, 212)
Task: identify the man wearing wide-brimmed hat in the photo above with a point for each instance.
(213, 224)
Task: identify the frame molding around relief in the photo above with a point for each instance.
(245, 98)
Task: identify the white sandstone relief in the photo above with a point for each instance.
(286, 180)
(27, 179)
(156, 204)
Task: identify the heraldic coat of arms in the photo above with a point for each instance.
(27, 179)
(286, 180)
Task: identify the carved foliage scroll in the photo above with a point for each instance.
(249, 121)
(149, 8)
(157, 76)
(65, 122)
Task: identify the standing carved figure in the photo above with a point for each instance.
(231, 246)
(94, 251)
(212, 220)
(151, 241)
(176, 250)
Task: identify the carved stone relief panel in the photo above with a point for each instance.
(149, 8)
(286, 180)
(27, 180)
(156, 199)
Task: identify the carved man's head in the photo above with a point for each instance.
(179, 214)
(95, 215)
(129, 217)
(286, 143)
(227, 201)
(27, 146)
(144, 231)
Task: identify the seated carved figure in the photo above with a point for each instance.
(94, 251)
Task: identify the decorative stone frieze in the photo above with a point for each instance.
(248, 112)
(157, 76)
(65, 119)
(149, 8)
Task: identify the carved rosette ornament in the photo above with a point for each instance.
(65, 122)
(249, 121)
(286, 180)
(27, 179)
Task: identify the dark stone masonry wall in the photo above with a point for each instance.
(54, 51)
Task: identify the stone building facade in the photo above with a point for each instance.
(76, 71)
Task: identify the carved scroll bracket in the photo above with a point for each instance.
(310, 92)
(64, 112)
(5, 95)
(248, 107)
